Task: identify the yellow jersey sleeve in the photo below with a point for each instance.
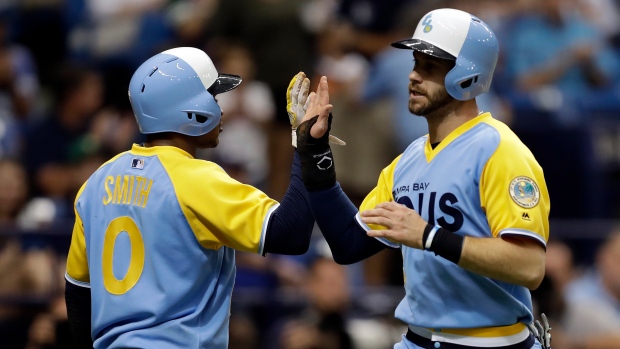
(513, 191)
(219, 209)
(77, 260)
(382, 192)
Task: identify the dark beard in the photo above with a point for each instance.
(438, 105)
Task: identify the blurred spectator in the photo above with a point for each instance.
(549, 298)
(323, 324)
(603, 14)
(120, 32)
(17, 211)
(13, 191)
(50, 327)
(27, 276)
(559, 265)
(561, 63)
(243, 333)
(593, 302)
(18, 89)
(190, 20)
(372, 20)
(60, 154)
(114, 129)
(39, 25)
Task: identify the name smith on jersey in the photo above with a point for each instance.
(127, 190)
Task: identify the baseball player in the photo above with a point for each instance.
(152, 256)
(467, 204)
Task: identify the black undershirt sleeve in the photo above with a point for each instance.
(335, 216)
(290, 226)
(78, 311)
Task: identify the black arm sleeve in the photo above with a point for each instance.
(335, 216)
(290, 226)
(78, 311)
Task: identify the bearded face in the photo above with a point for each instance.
(427, 92)
(435, 101)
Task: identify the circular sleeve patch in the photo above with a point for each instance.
(524, 191)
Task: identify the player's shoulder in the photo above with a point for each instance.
(191, 170)
(509, 144)
(504, 134)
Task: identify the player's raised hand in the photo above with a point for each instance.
(403, 224)
(319, 105)
(298, 102)
(322, 99)
(317, 163)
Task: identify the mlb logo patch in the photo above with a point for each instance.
(137, 163)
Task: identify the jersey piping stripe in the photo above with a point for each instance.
(521, 232)
(263, 233)
(75, 282)
(382, 240)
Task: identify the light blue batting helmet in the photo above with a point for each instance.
(457, 35)
(174, 91)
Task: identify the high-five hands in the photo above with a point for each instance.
(317, 162)
(403, 224)
(298, 103)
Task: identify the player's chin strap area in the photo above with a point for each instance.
(542, 332)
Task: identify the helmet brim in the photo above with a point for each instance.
(423, 47)
(224, 83)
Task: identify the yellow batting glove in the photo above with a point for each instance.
(297, 103)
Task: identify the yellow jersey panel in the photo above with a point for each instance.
(513, 192)
(382, 192)
(219, 209)
(77, 259)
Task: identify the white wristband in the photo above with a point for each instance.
(294, 138)
(429, 239)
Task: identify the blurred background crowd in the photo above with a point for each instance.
(65, 66)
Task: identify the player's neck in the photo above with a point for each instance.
(173, 140)
(440, 127)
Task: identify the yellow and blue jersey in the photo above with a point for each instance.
(480, 181)
(154, 239)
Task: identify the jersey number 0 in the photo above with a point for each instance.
(136, 264)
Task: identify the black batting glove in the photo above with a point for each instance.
(317, 162)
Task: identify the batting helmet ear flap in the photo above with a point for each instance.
(465, 86)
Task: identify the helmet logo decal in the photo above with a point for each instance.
(427, 23)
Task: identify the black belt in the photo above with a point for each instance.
(426, 343)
